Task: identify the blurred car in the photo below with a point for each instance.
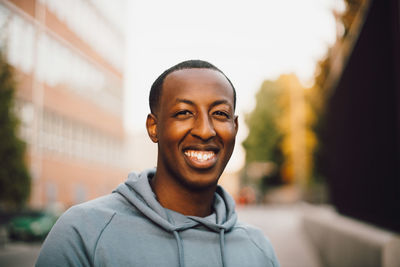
(31, 225)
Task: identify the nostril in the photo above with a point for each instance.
(203, 129)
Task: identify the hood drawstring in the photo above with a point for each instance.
(180, 248)
(178, 242)
(222, 245)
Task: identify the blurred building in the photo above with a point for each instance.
(363, 117)
(141, 151)
(68, 60)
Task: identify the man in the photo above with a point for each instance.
(175, 215)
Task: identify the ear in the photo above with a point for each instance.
(236, 121)
(151, 125)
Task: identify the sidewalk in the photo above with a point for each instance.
(282, 225)
(19, 254)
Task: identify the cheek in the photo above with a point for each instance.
(174, 132)
(227, 132)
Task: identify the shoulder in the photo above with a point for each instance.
(257, 237)
(92, 217)
(75, 235)
(97, 212)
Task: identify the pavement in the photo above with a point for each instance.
(280, 223)
(19, 254)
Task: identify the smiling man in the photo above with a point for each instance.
(176, 214)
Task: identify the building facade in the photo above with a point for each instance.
(362, 134)
(68, 62)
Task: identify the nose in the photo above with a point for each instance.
(203, 127)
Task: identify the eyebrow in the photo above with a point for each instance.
(181, 100)
(189, 102)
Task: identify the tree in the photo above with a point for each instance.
(280, 134)
(262, 144)
(295, 125)
(264, 134)
(15, 180)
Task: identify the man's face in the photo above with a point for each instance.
(196, 127)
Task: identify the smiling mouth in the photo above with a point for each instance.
(200, 155)
(201, 158)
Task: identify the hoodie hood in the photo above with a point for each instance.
(138, 192)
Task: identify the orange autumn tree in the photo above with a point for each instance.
(280, 133)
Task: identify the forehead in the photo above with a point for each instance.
(195, 84)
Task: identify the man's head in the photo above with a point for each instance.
(194, 123)
(156, 88)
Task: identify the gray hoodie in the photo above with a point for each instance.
(130, 228)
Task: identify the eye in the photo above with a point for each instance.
(221, 114)
(183, 114)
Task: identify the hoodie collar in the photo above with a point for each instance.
(138, 192)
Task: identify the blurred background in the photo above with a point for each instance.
(317, 158)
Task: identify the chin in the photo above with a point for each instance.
(200, 181)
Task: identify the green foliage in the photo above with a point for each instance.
(263, 144)
(264, 135)
(15, 180)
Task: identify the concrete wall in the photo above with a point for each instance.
(341, 241)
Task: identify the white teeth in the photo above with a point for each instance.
(200, 155)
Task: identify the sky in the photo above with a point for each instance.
(250, 41)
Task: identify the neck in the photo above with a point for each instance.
(171, 195)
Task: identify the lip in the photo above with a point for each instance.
(201, 157)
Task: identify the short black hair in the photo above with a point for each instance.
(156, 88)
